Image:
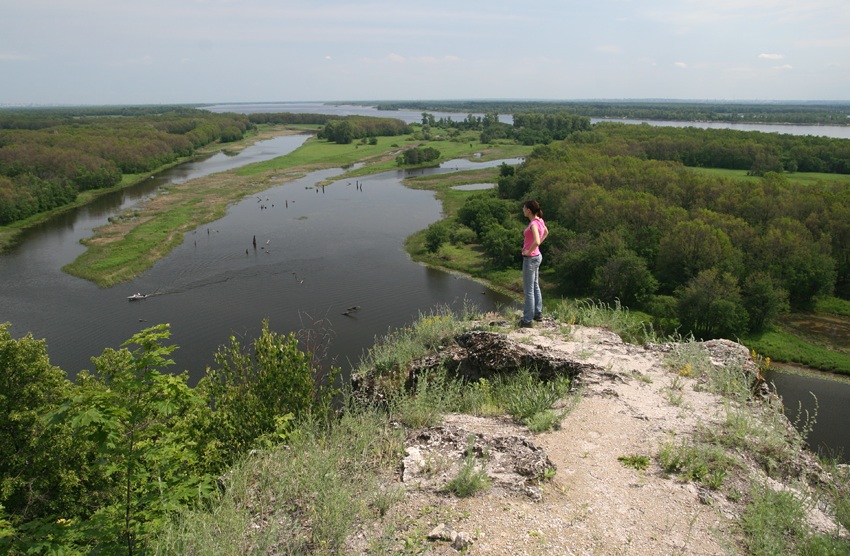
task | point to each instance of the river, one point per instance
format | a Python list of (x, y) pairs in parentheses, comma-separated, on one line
[(318, 254)]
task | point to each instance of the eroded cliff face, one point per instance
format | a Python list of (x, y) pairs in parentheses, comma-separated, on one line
[(568, 491)]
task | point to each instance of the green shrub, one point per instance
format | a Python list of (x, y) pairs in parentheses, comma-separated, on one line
[(249, 389), (524, 395)]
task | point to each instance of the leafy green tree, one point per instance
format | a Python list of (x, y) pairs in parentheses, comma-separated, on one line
[(691, 247), (710, 305), (763, 300), (801, 265), (624, 277), (663, 309), (37, 463), (418, 155), (252, 391), (136, 416), (483, 210), (338, 131), (582, 257), (503, 245), (46, 473), (436, 235), (764, 162)]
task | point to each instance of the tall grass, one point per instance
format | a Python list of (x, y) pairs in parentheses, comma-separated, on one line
[(397, 349), (834, 305), (299, 498), (631, 327)]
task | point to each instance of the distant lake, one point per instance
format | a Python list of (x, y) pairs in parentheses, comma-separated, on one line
[(415, 116), (474, 186)]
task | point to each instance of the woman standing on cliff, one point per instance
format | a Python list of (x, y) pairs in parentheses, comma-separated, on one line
[(533, 236)]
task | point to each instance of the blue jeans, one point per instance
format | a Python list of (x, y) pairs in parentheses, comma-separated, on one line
[(533, 302)]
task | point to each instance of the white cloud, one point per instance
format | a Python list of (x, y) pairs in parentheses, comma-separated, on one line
[(395, 58), (765, 56), (608, 49), (12, 56), (146, 60), (682, 65), (835, 42), (784, 67)]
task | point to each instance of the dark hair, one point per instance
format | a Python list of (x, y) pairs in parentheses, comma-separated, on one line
[(534, 207)]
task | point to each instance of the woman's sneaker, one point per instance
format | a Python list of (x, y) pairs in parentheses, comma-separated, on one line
[(538, 317), (525, 324)]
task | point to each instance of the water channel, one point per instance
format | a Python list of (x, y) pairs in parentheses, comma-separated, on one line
[(319, 252)]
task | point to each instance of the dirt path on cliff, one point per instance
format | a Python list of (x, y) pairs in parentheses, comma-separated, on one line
[(594, 504)]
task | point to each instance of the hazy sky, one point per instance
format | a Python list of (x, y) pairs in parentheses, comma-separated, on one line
[(194, 51)]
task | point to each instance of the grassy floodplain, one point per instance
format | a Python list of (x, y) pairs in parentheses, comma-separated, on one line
[(132, 242)]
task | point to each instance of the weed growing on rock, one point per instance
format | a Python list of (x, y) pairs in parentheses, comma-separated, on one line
[(635, 461), (470, 479), (524, 397)]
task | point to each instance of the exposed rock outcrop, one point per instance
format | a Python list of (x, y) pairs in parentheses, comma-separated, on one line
[(566, 491)]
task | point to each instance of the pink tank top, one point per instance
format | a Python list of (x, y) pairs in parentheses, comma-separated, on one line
[(528, 235)]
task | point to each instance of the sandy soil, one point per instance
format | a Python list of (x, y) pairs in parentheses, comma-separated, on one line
[(594, 505)]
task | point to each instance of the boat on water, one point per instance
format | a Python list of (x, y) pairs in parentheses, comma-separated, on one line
[(137, 296)]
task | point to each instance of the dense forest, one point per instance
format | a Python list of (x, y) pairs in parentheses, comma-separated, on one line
[(824, 113), (632, 224), (47, 157)]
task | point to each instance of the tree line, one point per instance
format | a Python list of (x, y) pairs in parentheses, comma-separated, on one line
[(754, 151), (346, 129), (336, 128), (714, 256), (527, 128)]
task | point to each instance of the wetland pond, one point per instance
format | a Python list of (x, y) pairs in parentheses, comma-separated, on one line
[(320, 251)]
